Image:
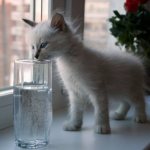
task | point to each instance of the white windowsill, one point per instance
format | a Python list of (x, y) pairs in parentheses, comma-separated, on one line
[(6, 108), (125, 135)]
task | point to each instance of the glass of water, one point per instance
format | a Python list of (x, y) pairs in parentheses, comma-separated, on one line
[(32, 102)]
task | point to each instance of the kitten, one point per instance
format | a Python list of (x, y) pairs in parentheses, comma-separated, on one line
[(90, 75)]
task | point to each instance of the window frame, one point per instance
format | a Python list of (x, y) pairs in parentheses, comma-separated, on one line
[(72, 10)]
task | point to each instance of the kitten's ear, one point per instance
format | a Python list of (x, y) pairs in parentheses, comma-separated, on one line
[(58, 22), (29, 22)]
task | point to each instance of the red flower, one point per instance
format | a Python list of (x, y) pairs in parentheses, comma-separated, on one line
[(132, 5)]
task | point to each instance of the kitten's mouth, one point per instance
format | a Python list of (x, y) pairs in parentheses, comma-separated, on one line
[(43, 58)]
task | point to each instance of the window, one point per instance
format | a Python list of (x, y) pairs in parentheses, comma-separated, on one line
[(96, 27), (13, 38), (41, 10)]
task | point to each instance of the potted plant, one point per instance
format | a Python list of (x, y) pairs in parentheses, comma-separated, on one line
[(132, 30)]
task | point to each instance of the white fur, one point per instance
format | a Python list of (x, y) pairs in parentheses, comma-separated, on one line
[(94, 76)]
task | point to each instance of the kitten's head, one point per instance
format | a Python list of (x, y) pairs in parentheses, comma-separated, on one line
[(49, 39)]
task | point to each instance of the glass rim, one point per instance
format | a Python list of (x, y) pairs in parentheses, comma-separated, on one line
[(32, 61)]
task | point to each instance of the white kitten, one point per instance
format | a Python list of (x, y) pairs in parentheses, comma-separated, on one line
[(89, 75)]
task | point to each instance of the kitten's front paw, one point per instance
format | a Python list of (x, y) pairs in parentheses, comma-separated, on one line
[(70, 126), (102, 129), (141, 119)]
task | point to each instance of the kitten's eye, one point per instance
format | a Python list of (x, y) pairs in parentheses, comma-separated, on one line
[(43, 45), (32, 47)]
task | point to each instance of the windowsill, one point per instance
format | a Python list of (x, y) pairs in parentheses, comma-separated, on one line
[(6, 91), (125, 135)]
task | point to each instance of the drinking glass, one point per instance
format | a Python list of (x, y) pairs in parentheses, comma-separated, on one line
[(32, 102)]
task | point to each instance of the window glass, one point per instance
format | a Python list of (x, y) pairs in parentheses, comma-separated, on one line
[(41, 10), (12, 36), (96, 25)]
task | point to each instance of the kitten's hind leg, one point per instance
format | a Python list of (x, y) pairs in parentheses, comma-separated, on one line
[(76, 113), (121, 111)]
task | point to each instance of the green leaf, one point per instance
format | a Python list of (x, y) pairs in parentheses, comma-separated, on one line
[(132, 30), (117, 14)]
